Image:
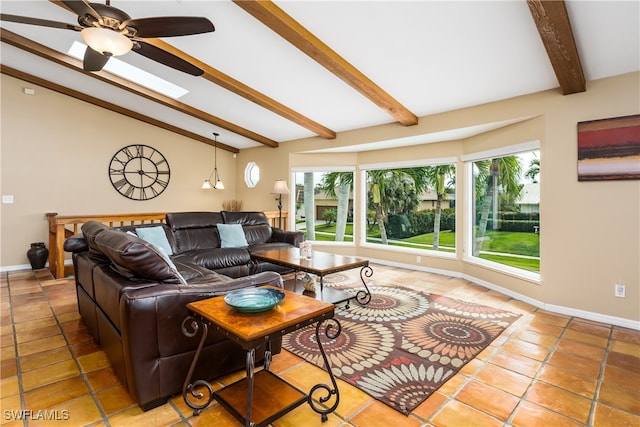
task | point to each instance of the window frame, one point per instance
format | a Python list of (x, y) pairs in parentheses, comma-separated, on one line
[(248, 179), (469, 214), (433, 161), (318, 169)]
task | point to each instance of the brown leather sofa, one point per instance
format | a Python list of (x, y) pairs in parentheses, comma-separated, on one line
[(133, 297)]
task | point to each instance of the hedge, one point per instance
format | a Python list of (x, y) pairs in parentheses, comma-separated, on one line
[(400, 226)]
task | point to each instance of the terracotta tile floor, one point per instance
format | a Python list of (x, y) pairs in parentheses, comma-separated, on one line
[(545, 370)]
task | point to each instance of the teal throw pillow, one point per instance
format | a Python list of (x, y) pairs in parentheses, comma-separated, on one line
[(156, 236), (232, 236)]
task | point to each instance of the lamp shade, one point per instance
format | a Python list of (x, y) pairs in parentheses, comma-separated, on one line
[(280, 187), (106, 41), (206, 185)]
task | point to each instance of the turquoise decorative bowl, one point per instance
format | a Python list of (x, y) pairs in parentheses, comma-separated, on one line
[(254, 300)]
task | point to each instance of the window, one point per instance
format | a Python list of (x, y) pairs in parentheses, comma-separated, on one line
[(412, 206), (251, 174), (324, 203), (505, 209)]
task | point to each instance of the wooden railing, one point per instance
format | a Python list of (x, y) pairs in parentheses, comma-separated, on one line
[(64, 226), (274, 217)]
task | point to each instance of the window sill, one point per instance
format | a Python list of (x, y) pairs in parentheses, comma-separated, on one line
[(518, 273), (410, 251)]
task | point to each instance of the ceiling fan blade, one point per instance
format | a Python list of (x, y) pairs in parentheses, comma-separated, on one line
[(37, 21), (81, 8), (94, 60), (166, 58), (170, 26)]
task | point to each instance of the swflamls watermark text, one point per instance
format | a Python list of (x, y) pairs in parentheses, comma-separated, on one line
[(39, 415)]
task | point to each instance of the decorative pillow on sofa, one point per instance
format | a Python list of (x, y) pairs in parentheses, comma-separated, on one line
[(90, 230), (156, 236), (254, 224), (134, 258), (232, 236)]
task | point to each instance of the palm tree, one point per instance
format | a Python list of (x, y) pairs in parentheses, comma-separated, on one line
[(343, 181), (534, 170), (503, 173), (377, 180), (438, 178), (400, 196), (309, 206)]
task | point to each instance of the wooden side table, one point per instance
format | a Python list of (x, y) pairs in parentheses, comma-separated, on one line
[(322, 264), (261, 397)]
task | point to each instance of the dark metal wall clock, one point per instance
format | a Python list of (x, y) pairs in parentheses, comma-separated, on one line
[(139, 172)]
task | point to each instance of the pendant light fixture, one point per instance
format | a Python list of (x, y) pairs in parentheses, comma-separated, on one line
[(217, 183)]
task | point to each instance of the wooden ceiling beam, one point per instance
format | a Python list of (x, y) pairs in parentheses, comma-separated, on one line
[(45, 52), (292, 31), (219, 78), (109, 106), (552, 20)]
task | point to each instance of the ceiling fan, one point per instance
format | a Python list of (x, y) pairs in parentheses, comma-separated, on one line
[(109, 31)]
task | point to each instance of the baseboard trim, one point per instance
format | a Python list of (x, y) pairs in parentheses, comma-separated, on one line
[(568, 311), (597, 317), (19, 267), (515, 295), (416, 267)]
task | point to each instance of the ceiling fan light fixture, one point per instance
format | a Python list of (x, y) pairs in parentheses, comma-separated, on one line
[(106, 41)]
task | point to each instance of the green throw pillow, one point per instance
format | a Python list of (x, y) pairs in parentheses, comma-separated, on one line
[(232, 236)]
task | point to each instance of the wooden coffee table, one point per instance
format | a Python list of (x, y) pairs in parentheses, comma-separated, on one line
[(262, 396), (321, 264)]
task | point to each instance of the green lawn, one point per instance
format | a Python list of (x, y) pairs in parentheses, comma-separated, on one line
[(512, 243), (331, 228), (447, 238), (326, 233), (502, 242), (523, 263)]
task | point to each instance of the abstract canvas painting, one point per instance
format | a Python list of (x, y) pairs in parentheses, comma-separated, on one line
[(609, 149)]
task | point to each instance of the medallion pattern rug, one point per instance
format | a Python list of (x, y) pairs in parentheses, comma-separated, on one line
[(404, 344)]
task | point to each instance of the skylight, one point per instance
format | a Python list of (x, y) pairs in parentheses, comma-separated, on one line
[(134, 74)]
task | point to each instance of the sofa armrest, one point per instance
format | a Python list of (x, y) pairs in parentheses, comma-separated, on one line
[(259, 279), (292, 237), (197, 290), (76, 243)]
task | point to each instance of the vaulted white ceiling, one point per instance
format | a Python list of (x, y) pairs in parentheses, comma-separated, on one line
[(430, 56)]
